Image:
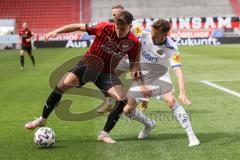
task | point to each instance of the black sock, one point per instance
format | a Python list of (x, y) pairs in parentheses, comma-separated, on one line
[(33, 60), (52, 101), (22, 60), (114, 115)]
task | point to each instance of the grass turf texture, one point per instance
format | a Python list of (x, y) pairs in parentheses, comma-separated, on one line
[(214, 113)]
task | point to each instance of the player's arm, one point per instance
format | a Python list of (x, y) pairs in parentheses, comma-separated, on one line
[(137, 76), (145, 91), (136, 73), (66, 29), (30, 39), (181, 84), (175, 62), (20, 39), (134, 61)]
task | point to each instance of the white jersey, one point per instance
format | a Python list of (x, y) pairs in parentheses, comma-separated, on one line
[(156, 59), (154, 63)]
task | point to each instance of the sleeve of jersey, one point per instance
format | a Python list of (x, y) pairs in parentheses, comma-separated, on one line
[(95, 29), (175, 60)]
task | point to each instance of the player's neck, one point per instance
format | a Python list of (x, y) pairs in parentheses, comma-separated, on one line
[(159, 42), (124, 36)]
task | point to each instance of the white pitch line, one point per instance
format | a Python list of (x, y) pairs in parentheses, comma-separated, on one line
[(229, 80), (221, 88)]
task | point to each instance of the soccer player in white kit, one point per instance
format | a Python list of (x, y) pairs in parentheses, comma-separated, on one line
[(158, 53)]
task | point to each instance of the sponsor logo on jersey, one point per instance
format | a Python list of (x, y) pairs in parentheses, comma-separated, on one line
[(149, 57), (113, 48)]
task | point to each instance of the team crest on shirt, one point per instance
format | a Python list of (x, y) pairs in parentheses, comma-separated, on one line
[(160, 52), (176, 58)]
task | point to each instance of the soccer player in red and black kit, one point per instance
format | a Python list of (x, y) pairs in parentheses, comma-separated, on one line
[(26, 46), (112, 42)]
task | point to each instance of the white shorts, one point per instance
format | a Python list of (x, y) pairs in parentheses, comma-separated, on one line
[(158, 87), (123, 65)]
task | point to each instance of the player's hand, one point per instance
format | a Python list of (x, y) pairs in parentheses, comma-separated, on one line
[(145, 91), (184, 100), (50, 35), (28, 40), (135, 76)]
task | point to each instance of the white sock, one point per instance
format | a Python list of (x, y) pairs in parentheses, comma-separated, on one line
[(103, 132), (140, 117), (183, 119), (109, 100)]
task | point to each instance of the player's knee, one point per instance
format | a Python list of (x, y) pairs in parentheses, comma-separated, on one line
[(128, 109), (62, 87), (67, 83), (130, 106), (21, 53)]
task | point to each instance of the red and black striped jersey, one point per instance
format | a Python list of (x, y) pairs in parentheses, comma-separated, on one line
[(110, 49), (25, 34)]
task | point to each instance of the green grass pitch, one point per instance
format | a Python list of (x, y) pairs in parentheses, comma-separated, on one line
[(214, 113)]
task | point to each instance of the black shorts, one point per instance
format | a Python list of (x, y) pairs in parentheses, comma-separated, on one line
[(104, 81), (27, 49)]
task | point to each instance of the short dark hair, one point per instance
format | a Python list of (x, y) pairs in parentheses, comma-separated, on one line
[(118, 6), (123, 17), (162, 24)]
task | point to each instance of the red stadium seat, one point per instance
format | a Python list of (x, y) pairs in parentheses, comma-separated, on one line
[(43, 15)]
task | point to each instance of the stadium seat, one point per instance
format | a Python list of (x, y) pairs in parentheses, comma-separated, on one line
[(41, 14)]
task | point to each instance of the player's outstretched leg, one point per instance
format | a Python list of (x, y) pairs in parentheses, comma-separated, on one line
[(33, 60), (112, 119), (22, 62), (31, 57), (182, 118), (149, 124), (119, 94), (21, 56), (53, 100), (133, 113)]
